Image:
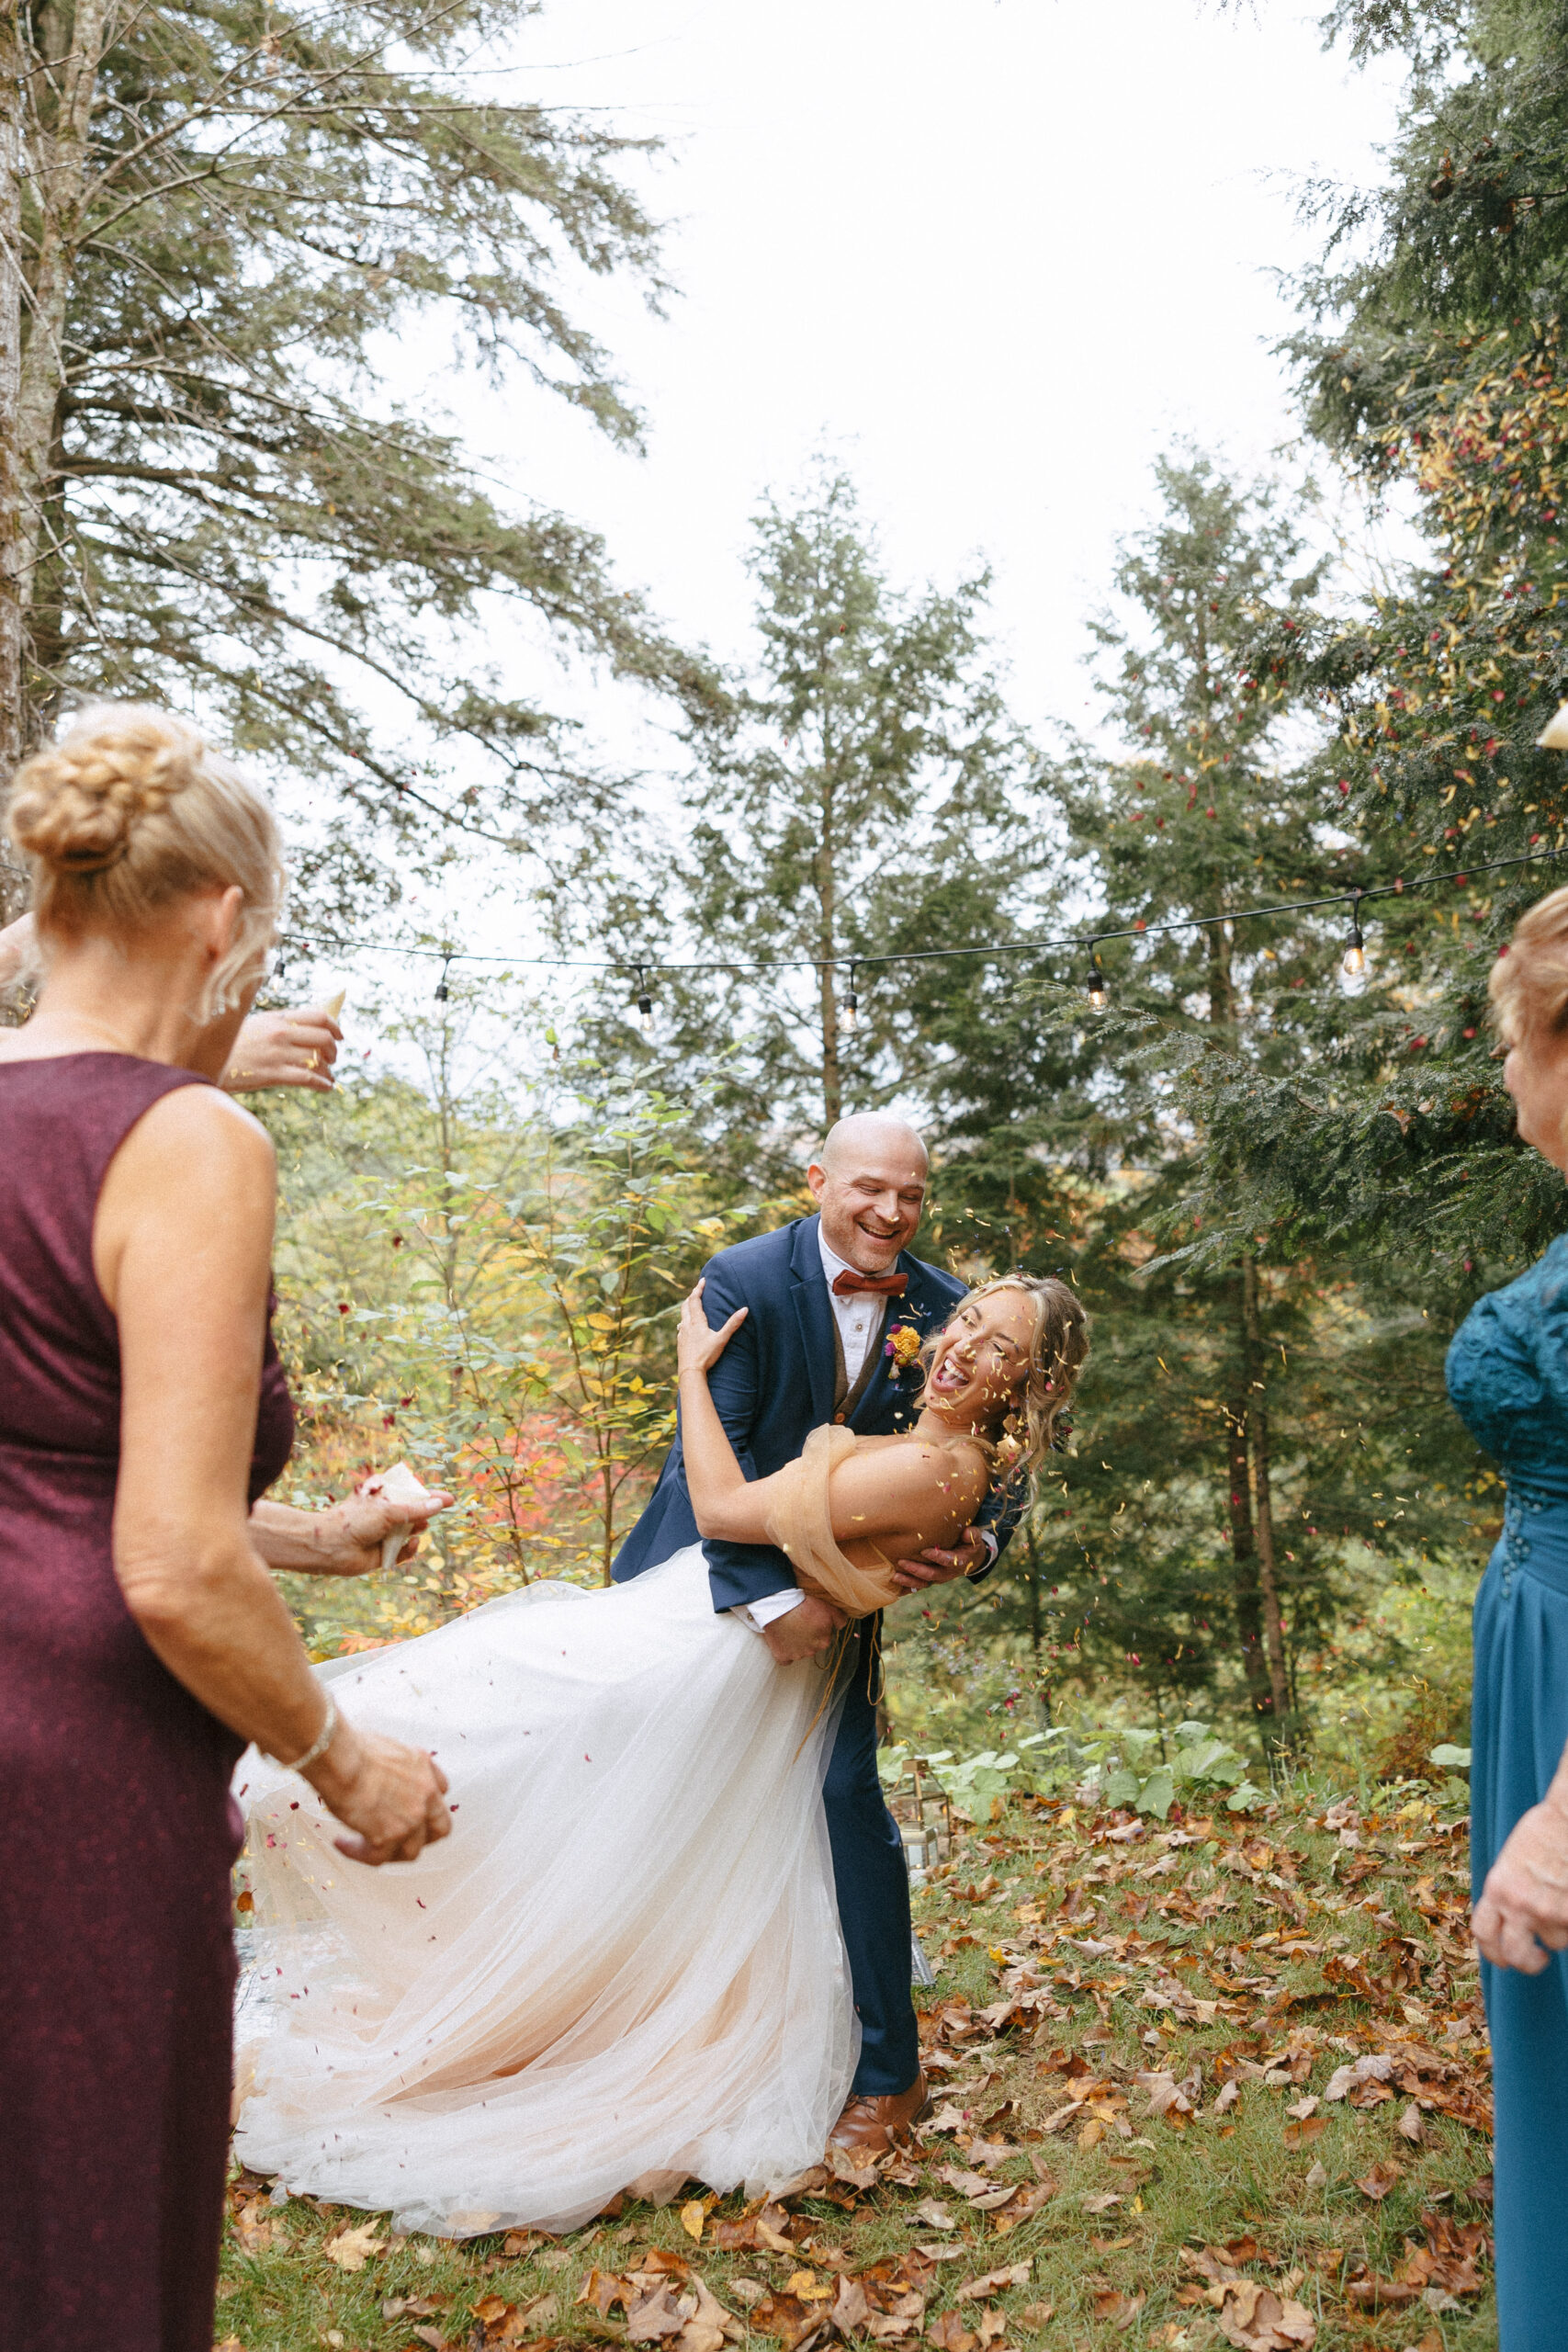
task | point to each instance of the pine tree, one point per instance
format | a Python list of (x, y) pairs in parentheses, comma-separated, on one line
[(864, 802), (1436, 365), (1270, 1379), (206, 496)]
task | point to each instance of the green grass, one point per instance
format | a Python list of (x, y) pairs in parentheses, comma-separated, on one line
[(1219, 2180)]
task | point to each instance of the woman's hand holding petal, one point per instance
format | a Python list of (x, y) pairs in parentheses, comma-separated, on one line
[(351, 1533)]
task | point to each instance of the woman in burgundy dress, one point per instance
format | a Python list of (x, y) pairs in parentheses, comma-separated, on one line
[(141, 1641)]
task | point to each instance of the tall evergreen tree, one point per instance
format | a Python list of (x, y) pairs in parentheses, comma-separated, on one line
[(863, 802), (207, 495), (1271, 1382), (1433, 363)]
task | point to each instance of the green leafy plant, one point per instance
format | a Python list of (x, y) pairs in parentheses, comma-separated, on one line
[(1117, 1768)]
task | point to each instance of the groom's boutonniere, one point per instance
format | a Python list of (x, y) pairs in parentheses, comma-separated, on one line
[(903, 1345)]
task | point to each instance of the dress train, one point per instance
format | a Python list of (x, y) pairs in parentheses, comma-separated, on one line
[(623, 1967)]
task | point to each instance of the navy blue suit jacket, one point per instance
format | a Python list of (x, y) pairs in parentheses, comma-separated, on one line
[(773, 1386)]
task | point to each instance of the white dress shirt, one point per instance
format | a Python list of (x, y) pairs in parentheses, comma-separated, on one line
[(859, 1313)]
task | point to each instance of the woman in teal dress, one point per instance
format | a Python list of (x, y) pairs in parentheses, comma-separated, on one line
[(1508, 1373)]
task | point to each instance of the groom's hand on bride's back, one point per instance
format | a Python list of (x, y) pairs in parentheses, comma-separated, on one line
[(937, 1566), (805, 1630)]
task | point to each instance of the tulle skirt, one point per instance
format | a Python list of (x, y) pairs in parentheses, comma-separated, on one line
[(623, 1967)]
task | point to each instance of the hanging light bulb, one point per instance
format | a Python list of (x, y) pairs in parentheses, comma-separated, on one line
[(441, 989), (850, 1016), (1354, 952), (644, 1004), (1099, 987)]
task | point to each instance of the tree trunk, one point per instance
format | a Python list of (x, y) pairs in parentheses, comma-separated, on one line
[(13, 882), (73, 42), (1246, 1582), (833, 1074), (827, 941), (1262, 1497), (1248, 1596), (1032, 1551)]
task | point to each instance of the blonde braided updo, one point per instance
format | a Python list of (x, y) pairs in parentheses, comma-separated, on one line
[(133, 809)]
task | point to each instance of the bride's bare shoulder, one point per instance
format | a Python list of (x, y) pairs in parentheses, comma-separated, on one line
[(892, 1480)]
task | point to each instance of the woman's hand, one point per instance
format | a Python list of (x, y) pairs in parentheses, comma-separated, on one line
[(284, 1049), (352, 1533), (1524, 1903), (696, 1348), (344, 1541), (391, 1797)]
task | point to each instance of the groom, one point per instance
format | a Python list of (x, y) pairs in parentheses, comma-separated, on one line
[(823, 1295)]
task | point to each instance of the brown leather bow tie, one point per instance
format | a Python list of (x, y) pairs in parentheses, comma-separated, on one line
[(886, 1285)]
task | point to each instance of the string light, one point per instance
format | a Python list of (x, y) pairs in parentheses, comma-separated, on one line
[(644, 1004), (1354, 952), (850, 1016), (988, 952), (442, 991), (1099, 986)]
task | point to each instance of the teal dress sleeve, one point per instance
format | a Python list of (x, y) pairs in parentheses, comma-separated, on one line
[(1507, 1375)]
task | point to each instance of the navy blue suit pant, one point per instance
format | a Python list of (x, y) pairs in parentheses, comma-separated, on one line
[(872, 1886)]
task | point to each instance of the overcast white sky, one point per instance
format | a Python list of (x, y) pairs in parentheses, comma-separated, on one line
[(995, 254)]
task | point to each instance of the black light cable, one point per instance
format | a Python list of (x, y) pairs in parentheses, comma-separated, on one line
[(988, 952)]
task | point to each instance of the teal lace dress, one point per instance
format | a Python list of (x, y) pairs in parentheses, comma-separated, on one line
[(1508, 1374)]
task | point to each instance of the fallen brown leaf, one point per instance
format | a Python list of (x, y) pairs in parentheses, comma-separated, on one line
[(788, 2318), (1255, 2319), (655, 2316), (352, 2249), (1119, 2309), (844, 2167), (850, 2310), (1371, 2294), (994, 2283), (1377, 2183), (949, 2334), (934, 2216), (603, 2289)]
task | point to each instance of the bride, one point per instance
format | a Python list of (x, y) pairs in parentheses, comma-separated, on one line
[(623, 1967)]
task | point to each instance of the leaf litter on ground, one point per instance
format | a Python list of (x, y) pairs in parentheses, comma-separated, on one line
[(1210, 2081)]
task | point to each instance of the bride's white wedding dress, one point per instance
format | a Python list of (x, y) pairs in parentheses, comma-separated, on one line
[(623, 1967)]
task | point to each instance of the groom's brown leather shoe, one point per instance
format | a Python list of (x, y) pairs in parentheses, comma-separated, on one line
[(872, 2124)]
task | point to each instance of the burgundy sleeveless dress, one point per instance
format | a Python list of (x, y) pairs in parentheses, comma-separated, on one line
[(117, 1829)]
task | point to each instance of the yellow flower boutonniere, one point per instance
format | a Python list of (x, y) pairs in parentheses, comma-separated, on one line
[(903, 1344)]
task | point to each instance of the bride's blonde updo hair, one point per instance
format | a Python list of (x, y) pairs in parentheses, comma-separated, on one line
[(1057, 1355), (1528, 987), (131, 809)]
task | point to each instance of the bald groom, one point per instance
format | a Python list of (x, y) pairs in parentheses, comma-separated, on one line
[(820, 1293)]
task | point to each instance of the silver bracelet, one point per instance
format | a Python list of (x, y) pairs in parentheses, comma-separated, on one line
[(318, 1745)]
